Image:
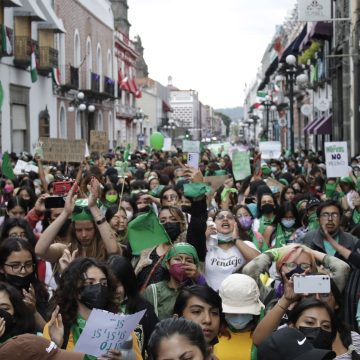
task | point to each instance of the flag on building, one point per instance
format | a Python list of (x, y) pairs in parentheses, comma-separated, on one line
[(6, 167), (6, 41), (1, 95), (136, 90), (125, 84), (56, 76), (33, 66)]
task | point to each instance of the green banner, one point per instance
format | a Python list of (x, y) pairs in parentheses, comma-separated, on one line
[(241, 165)]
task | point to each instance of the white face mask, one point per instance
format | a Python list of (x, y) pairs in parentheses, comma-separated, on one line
[(37, 191), (129, 214), (225, 237)]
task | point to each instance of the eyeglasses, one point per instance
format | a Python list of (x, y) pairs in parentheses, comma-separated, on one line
[(223, 217), (135, 192), (294, 265), (79, 209), (18, 234), (170, 197), (28, 266), (327, 216)]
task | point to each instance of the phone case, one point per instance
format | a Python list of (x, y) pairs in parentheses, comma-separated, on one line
[(312, 284)]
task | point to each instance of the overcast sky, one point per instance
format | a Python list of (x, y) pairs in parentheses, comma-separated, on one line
[(214, 47)]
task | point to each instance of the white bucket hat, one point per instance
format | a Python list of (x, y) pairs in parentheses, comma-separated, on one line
[(240, 295)]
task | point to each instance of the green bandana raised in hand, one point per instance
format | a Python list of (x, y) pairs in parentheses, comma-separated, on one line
[(227, 191), (330, 190)]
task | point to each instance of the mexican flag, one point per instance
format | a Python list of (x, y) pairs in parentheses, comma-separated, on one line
[(56, 76), (1, 95), (5, 41), (33, 66)]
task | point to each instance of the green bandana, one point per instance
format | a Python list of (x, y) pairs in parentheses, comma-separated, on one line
[(182, 248), (264, 223), (282, 236), (330, 190), (195, 190), (356, 216), (313, 223), (156, 191), (81, 211), (76, 331), (226, 191)]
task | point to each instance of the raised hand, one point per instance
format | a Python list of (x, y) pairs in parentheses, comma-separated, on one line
[(70, 199), (56, 327), (66, 258)]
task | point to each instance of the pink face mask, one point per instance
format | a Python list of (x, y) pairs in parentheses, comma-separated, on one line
[(177, 271), (8, 188)]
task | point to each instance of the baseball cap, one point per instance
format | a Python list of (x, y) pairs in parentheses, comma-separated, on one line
[(240, 295), (32, 347), (291, 344), (313, 202)]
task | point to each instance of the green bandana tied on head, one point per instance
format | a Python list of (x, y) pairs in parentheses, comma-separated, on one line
[(81, 211), (330, 190), (182, 248)]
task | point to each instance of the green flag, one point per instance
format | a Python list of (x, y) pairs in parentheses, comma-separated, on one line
[(6, 167), (126, 153), (145, 231), (1, 95)]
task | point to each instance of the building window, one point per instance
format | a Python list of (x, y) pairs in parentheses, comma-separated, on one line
[(62, 123), (109, 65), (44, 123), (88, 62), (111, 130), (99, 64), (99, 125), (19, 127), (78, 125)]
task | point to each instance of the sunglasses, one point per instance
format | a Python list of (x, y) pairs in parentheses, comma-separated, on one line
[(223, 217), (293, 265), (79, 209)]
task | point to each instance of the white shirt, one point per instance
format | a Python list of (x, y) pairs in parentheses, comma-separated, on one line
[(220, 263)]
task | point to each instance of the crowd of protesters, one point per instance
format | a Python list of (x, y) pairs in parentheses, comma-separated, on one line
[(222, 285)]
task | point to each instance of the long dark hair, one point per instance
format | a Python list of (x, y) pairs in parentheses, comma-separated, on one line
[(243, 235), (71, 281), (284, 208), (24, 318), (172, 326), (13, 202), (15, 244), (124, 272)]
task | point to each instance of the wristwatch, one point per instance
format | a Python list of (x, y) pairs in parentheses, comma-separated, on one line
[(101, 221)]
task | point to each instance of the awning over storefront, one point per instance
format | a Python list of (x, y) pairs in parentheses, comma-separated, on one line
[(269, 71), (320, 30), (52, 21), (11, 3), (312, 124), (293, 48), (166, 107), (324, 127), (31, 9), (310, 129)]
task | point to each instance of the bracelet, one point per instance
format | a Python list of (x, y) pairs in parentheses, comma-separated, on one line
[(281, 307), (101, 221)]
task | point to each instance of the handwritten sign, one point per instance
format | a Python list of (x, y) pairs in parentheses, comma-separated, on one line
[(336, 156), (23, 167), (63, 150), (241, 165), (270, 149), (191, 146), (104, 331), (99, 141)]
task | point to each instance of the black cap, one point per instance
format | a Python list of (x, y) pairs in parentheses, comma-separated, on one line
[(313, 202), (291, 344)]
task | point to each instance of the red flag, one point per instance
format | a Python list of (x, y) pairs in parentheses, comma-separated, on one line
[(132, 85)]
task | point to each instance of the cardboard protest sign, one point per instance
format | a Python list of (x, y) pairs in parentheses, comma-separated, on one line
[(241, 165), (191, 146), (270, 149), (99, 141), (23, 167), (104, 331), (336, 157), (63, 150)]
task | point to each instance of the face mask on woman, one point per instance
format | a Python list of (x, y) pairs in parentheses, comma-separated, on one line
[(173, 230), (288, 223), (20, 282), (224, 237), (111, 198), (129, 214), (94, 296), (319, 338), (246, 222), (177, 271), (9, 322), (238, 321), (267, 209)]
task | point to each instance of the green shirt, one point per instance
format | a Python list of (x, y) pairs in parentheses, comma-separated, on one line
[(162, 298)]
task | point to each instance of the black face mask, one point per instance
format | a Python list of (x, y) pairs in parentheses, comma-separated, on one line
[(20, 282), (318, 337), (173, 230), (267, 209), (64, 228), (9, 322), (186, 208), (94, 296), (297, 270)]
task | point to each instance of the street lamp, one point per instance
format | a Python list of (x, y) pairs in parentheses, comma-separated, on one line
[(267, 105), (293, 73)]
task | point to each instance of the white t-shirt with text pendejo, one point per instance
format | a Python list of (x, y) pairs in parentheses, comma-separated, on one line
[(220, 263)]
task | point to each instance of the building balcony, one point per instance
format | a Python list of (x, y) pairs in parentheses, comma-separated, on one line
[(95, 82), (48, 59), (6, 45), (70, 78), (109, 86), (125, 111), (23, 48)]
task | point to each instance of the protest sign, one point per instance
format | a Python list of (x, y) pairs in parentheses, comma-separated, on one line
[(219, 148), (191, 146), (23, 167), (241, 165), (167, 144), (270, 149), (98, 141), (63, 150), (336, 157), (104, 331)]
